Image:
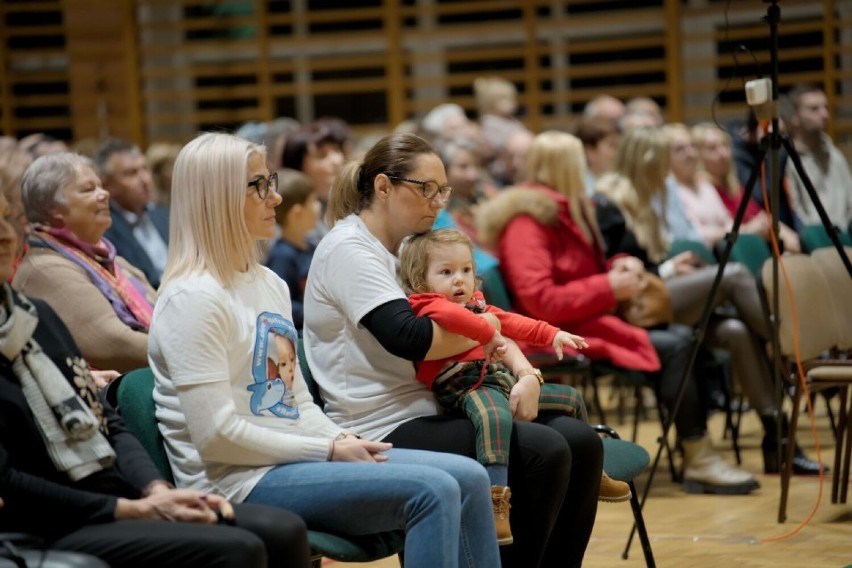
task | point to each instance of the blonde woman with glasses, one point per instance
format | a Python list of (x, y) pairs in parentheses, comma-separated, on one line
[(233, 407)]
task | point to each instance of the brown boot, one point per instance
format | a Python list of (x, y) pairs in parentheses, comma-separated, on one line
[(613, 491), (500, 496)]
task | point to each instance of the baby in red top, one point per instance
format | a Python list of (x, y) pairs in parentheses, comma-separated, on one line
[(485, 383)]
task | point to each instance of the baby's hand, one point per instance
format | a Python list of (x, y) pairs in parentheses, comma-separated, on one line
[(565, 339), (495, 349)]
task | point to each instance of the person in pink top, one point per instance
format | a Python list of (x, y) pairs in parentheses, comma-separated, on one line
[(438, 272)]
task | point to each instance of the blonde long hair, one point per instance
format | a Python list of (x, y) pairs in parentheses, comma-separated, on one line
[(731, 181), (641, 166), (556, 159), (208, 231)]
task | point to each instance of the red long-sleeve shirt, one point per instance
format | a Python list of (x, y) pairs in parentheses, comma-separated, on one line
[(456, 318)]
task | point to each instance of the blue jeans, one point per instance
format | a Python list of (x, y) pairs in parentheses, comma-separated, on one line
[(442, 501)]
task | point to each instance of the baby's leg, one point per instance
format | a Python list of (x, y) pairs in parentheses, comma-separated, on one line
[(563, 398)]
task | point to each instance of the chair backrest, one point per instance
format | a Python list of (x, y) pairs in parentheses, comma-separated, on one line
[(136, 405), (840, 289), (494, 289), (313, 387), (682, 245), (817, 327), (750, 250)]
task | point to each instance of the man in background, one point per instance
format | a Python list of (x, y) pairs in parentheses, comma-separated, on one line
[(140, 229), (823, 163)]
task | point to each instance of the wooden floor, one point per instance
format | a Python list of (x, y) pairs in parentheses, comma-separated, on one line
[(696, 531)]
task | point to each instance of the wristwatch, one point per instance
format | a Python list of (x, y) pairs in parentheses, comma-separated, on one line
[(532, 371)]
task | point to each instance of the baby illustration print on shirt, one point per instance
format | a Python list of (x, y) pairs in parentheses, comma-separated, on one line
[(274, 367)]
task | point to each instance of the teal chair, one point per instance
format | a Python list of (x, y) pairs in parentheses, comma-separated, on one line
[(682, 245), (815, 237), (133, 395), (752, 251), (625, 461)]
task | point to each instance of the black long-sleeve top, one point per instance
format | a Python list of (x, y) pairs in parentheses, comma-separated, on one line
[(39, 499)]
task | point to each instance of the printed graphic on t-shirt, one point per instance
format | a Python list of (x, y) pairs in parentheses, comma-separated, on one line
[(273, 367)]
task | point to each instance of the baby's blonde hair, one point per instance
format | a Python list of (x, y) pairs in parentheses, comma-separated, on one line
[(415, 255)]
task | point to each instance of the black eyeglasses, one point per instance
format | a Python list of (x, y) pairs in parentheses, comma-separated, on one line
[(429, 189), (264, 185)]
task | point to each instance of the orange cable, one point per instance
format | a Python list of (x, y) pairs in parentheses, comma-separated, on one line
[(800, 371)]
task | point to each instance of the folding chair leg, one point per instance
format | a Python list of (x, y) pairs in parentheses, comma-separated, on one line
[(839, 433), (844, 478), (640, 528), (787, 470)]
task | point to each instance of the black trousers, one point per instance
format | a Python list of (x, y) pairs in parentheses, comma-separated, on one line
[(673, 346), (554, 473), (263, 537)]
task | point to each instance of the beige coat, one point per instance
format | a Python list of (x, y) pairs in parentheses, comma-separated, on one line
[(104, 340)]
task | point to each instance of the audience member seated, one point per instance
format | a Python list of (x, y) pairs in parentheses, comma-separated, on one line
[(470, 187), (746, 140), (160, 157), (140, 229), (13, 163), (317, 151), (104, 301), (552, 255), (631, 227), (605, 106), (600, 138), (362, 336), (71, 474), (701, 202), (647, 107), (714, 155), (513, 157), (233, 407), (497, 105), (291, 254), (824, 164)]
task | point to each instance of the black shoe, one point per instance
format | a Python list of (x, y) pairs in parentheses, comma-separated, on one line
[(773, 458), (802, 464)]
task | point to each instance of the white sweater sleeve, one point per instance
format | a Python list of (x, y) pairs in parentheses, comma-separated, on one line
[(222, 436)]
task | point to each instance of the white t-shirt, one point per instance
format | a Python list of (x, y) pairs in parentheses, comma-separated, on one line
[(231, 401), (366, 389)]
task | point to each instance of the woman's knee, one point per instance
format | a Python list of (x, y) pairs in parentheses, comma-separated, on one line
[(540, 452), (728, 333)]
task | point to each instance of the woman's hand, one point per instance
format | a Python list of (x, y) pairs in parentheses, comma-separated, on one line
[(685, 262), (565, 339), (495, 349), (523, 398), (182, 505), (624, 284), (790, 239), (103, 378), (629, 264), (352, 449)]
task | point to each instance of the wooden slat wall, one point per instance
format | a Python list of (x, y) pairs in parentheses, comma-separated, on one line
[(215, 64), (33, 69)]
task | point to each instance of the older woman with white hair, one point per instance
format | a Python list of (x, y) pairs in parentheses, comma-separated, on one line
[(105, 302)]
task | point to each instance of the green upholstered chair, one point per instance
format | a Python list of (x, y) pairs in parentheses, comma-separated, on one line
[(752, 251), (625, 461), (682, 245), (134, 398), (816, 237), (349, 548)]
